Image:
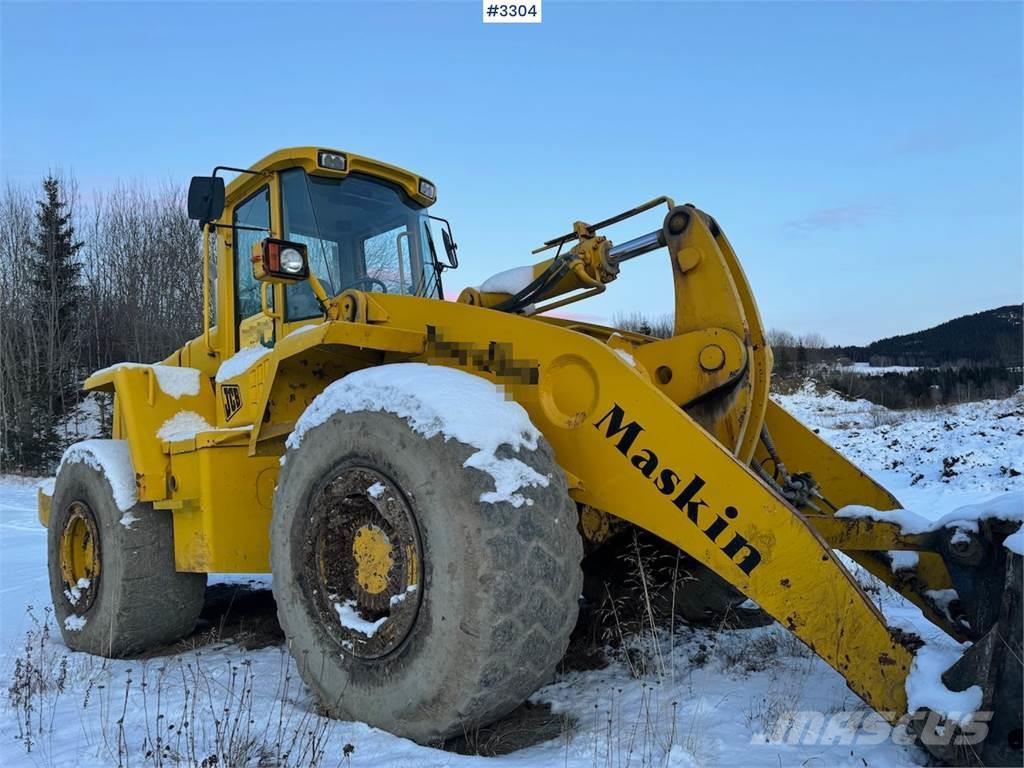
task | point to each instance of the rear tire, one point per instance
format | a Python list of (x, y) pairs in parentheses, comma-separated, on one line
[(134, 599), (496, 587)]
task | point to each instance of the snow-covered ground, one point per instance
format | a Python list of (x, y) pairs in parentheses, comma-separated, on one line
[(933, 457), (866, 369), (706, 698)]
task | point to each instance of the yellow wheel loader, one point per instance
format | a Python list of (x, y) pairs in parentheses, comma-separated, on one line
[(421, 475)]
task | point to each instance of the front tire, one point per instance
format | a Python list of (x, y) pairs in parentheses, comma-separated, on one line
[(407, 602), (112, 578)]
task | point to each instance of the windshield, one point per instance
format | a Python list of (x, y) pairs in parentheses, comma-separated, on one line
[(361, 233)]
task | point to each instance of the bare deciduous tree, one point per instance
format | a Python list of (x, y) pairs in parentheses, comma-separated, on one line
[(138, 296)]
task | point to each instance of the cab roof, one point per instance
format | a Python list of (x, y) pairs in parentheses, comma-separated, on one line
[(308, 158)]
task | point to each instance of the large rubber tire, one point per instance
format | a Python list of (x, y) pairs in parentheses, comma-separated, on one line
[(138, 601), (500, 584)]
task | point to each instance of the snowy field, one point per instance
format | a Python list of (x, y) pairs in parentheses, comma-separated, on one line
[(704, 698), (866, 369)]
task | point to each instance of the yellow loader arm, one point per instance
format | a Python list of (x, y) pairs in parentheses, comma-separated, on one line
[(662, 434), (678, 436)]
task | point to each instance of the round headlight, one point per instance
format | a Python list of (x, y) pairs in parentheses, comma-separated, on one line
[(291, 261)]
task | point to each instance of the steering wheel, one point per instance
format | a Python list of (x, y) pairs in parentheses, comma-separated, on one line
[(367, 280)]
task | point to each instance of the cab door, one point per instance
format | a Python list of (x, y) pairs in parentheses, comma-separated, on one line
[(254, 326)]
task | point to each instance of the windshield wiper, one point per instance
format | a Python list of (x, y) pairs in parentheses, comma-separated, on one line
[(430, 242), (433, 260)]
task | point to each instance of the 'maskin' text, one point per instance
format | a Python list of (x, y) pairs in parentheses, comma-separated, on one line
[(669, 482)]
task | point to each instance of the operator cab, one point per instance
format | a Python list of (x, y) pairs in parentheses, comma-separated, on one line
[(360, 232), (332, 221)]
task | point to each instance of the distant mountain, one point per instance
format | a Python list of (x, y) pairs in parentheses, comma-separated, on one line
[(993, 337)]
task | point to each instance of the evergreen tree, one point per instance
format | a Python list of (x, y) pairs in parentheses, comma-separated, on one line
[(55, 291), (57, 272)]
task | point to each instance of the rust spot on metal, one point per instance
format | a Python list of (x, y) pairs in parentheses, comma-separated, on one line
[(886, 660), (785, 583)]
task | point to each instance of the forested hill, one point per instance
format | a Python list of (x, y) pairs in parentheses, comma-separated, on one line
[(992, 337)]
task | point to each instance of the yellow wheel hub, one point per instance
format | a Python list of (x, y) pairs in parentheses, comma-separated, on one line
[(362, 556), (79, 549), (374, 557)]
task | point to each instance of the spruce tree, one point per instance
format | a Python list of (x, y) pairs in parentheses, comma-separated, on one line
[(55, 288)]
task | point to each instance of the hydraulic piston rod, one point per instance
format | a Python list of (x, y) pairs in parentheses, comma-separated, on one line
[(638, 246)]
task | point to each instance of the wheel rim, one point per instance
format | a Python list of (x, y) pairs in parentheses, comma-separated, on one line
[(80, 556), (362, 562)]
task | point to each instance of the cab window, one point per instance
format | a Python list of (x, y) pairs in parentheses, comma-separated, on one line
[(361, 233), (386, 258), (254, 212)]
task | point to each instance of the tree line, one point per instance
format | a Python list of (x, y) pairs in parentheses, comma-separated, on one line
[(954, 374), (794, 354), (926, 387), (84, 286), (984, 339)]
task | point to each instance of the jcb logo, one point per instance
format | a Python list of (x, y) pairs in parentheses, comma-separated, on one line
[(232, 400)]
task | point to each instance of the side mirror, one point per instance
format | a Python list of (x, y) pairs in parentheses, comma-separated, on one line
[(205, 199), (450, 248), (279, 261)]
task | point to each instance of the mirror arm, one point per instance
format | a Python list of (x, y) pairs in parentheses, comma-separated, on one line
[(206, 195), (452, 254), (239, 170), (215, 225)]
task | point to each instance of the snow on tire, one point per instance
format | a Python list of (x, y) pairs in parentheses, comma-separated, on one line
[(420, 588), (111, 559)]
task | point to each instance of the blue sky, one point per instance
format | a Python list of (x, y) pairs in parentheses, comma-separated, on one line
[(864, 159)]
